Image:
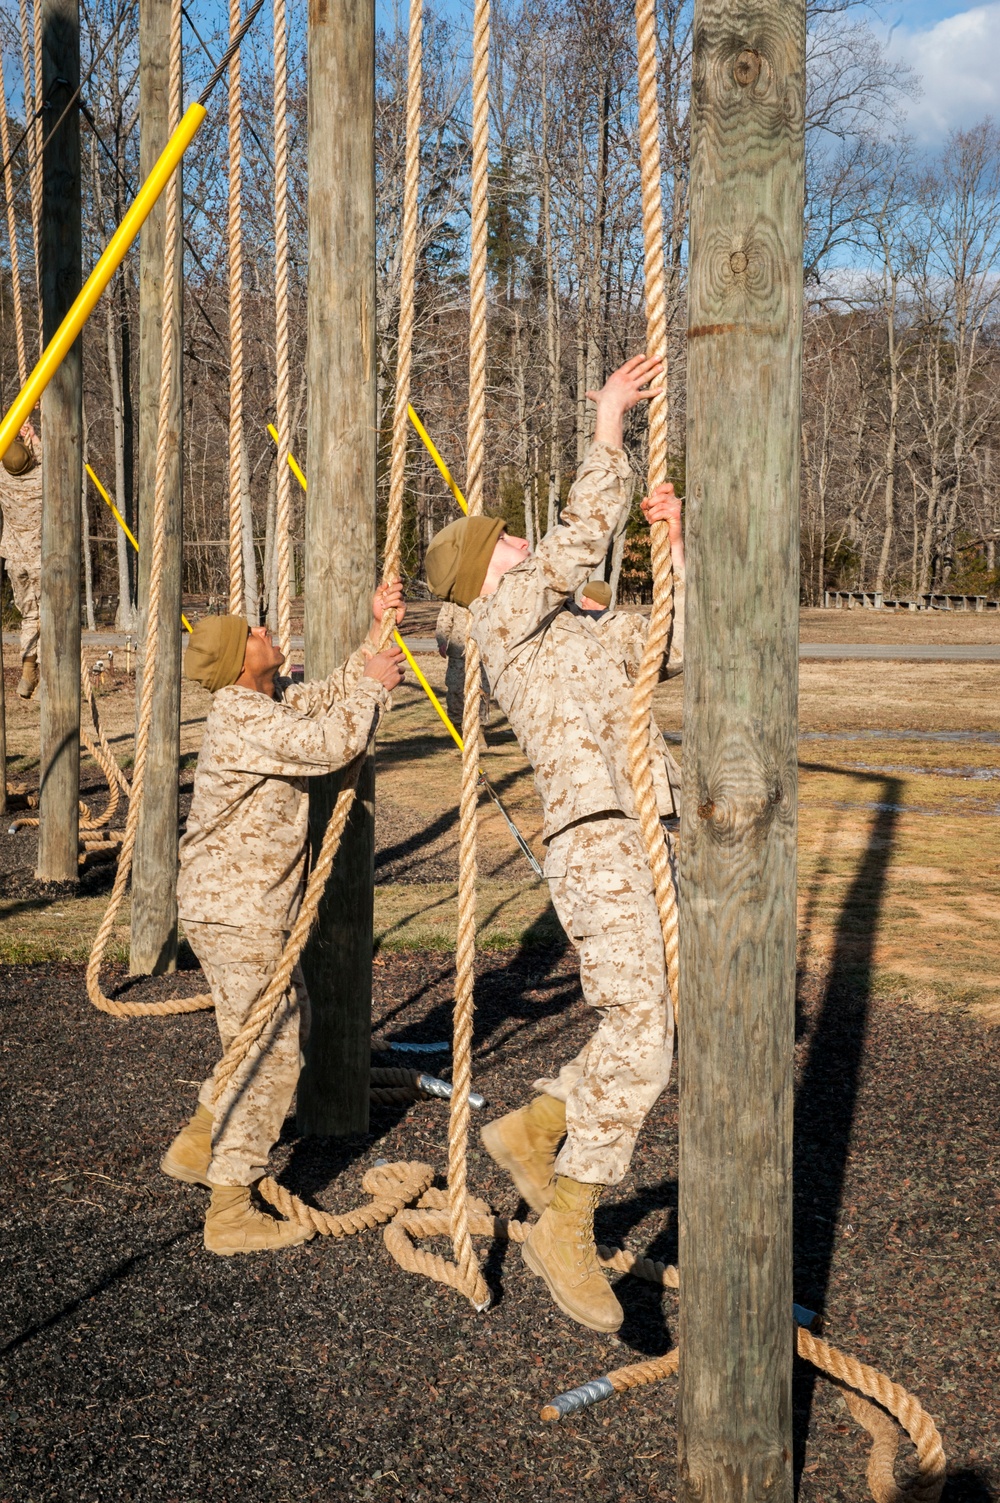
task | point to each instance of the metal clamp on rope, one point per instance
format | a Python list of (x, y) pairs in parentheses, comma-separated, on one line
[(435, 1087), (578, 1398)]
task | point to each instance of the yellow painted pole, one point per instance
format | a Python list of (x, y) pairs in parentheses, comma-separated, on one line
[(114, 254), (431, 448), (124, 526)]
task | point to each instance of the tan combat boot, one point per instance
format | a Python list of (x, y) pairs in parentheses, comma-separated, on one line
[(560, 1249), (190, 1154), (233, 1224), (524, 1143), (28, 682)]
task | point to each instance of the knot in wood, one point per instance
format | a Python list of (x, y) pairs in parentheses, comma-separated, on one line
[(747, 67), (738, 262)]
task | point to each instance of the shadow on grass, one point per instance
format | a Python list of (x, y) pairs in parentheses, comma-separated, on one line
[(827, 1096)]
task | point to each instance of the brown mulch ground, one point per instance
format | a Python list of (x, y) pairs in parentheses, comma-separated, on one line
[(136, 1365)]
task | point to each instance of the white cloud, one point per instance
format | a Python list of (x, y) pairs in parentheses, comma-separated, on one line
[(956, 60)]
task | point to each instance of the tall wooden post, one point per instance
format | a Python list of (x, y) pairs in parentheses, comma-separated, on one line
[(340, 531), (62, 453), (153, 948), (737, 860)]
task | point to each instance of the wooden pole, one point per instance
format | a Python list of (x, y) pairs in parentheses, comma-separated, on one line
[(62, 453), (340, 531), (737, 852), (153, 950)]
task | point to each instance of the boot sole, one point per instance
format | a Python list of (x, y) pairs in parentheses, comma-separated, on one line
[(538, 1267), (492, 1141), (233, 1252), (187, 1176)]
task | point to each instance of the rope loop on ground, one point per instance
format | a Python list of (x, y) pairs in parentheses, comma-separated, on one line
[(391, 1186)]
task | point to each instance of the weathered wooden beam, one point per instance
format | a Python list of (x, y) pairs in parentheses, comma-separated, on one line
[(737, 862), (62, 452), (340, 531), (153, 949)]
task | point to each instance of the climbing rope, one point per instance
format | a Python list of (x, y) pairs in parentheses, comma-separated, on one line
[(894, 1410), (283, 494), (171, 1005), (15, 271), (640, 742), (237, 577), (428, 1219)]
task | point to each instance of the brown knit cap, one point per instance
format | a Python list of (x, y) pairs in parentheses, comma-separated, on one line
[(457, 560), (19, 457), (597, 591), (214, 655)]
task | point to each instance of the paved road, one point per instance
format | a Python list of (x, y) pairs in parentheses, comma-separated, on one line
[(926, 652), (949, 652)]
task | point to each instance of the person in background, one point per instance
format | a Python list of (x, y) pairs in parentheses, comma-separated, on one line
[(21, 543)]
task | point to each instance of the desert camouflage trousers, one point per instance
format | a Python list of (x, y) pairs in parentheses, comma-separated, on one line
[(238, 963), (602, 890), (26, 585), (454, 682)]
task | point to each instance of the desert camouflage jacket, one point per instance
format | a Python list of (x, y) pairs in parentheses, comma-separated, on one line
[(452, 628), (564, 680), (21, 503), (243, 855)]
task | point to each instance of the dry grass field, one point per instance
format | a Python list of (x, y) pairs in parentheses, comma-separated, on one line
[(899, 818)]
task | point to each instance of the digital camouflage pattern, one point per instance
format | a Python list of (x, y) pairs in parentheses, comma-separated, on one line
[(21, 547), (451, 633), (563, 679), (243, 855), (238, 963)]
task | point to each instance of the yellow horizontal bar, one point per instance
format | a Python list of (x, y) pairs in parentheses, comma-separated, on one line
[(114, 254), (124, 527), (431, 448)]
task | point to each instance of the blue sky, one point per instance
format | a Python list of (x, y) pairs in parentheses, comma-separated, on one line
[(956, 50)]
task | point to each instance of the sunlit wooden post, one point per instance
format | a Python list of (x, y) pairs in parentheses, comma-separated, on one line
[(340, 531), (739, 819)]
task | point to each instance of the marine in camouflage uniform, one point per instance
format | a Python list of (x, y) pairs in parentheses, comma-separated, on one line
[(563, 677), (21, 545), (242, 876), (564, 682)]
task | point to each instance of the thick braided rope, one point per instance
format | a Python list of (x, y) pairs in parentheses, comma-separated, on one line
[(431, 1218), (282, 405), (640, 749), (237, 581), (174, 1004), (928, 1485), (32, 97), (860, 1384), (98, 748), (15, 270), (408, 264), (476, 431), (391, 1186)]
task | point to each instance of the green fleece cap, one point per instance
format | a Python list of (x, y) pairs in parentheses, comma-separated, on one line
[(457, 560), (214, 655)]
